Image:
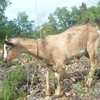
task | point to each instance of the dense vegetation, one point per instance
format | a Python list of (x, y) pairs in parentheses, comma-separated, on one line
[(57, 22), (8, 86)]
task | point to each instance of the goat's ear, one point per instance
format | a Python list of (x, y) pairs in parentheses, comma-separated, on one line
[(8, 43), (11, 43)]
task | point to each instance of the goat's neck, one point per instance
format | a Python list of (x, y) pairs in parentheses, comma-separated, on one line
[(29, 47)]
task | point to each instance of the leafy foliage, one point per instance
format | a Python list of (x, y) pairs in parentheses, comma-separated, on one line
[(84, 90), (3, 19), (57, 22), (9, 85), (25, 25)]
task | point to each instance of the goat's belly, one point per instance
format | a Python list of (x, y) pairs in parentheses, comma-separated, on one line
[(78, 54)]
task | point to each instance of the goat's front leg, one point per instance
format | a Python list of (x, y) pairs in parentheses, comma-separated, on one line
[(91, 76), (92, 70), (47, 75), (58, 91)]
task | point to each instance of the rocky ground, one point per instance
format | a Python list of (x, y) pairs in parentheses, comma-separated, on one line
[(73, 79)]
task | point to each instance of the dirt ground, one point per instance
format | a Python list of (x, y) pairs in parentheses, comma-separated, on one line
[(73, 80)]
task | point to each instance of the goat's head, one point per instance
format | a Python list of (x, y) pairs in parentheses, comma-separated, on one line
[(10, 50)]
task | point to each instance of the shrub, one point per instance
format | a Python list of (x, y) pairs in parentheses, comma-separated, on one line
[(9, 85)]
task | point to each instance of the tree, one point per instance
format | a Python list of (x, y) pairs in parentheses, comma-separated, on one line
[(3, 5), (74, 15), (3, 19), (13, 30), (25, 25), (63, 18), (46, 29), (59, 20), (53, 23)]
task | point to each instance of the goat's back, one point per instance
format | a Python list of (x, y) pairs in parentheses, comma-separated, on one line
[(71, 42)]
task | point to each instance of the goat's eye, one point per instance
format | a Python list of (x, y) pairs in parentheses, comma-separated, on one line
[(7, 47)]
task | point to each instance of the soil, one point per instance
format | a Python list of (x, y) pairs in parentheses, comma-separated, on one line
[(74, 75)]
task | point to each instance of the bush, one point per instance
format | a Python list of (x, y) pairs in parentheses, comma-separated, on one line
[(0, 45), (9, 85)]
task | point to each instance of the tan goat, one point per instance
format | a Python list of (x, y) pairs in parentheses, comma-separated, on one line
[(57, 49)]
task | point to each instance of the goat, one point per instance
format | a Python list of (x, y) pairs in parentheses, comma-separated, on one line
[(57, 49)]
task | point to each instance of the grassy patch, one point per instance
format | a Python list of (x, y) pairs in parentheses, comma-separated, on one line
[(9, 85), (84, 90)]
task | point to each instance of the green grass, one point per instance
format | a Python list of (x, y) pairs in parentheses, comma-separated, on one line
[(9, 85), (84, 90), (1, 46)]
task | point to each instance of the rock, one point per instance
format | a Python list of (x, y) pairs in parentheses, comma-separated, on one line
[(69, 94), (35, 91), (29, 97), (34, 82), (47, 98)]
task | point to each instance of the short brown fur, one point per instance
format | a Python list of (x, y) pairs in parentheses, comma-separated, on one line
[(77, 41)]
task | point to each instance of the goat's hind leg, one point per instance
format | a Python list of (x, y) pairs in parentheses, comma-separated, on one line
[(47, 75), (58, 91), (92, 70)]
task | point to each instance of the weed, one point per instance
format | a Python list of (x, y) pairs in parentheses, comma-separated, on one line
[(52, 76), (84, 90), (34, 78), (9, 85)]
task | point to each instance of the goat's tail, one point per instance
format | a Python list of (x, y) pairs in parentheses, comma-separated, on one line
[(97, 21)]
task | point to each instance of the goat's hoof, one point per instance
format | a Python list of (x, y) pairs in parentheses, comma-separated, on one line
[(89, 83), (58, 93), (47, 93)]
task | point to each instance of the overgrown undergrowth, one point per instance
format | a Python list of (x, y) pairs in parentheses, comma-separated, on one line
[(8, 87)]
